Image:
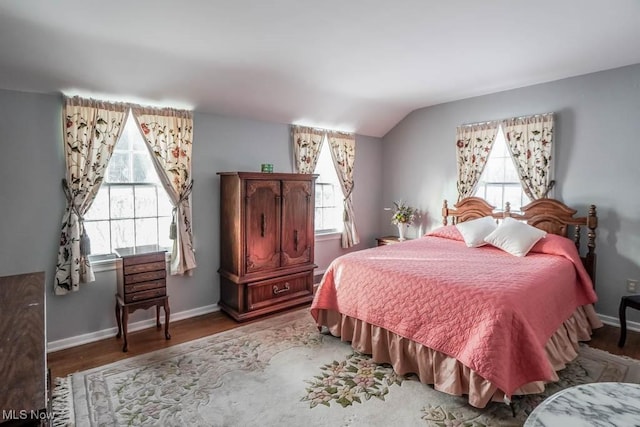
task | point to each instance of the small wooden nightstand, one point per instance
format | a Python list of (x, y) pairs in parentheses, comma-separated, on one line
[(141, 274), (388, 240)]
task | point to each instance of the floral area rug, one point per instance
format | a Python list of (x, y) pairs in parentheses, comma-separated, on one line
[(282, 372)]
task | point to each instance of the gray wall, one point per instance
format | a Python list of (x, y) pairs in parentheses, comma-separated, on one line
[(597, 137), (32, 165)]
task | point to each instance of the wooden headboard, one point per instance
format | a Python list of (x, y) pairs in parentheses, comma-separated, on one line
[(549, 215)]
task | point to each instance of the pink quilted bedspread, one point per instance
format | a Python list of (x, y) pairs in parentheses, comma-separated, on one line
[(492, 311)]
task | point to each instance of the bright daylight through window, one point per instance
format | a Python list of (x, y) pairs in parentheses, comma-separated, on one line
[(499, 182), (131, 207), (329, 206)]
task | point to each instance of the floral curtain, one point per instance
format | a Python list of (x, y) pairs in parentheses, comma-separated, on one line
[(168, 133), (91, 130), (343, 152), (307, 143), (530, 141), (473, 143)]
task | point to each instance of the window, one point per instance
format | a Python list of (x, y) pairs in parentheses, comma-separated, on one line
[(329, 206), (131, 207), (499, 182)]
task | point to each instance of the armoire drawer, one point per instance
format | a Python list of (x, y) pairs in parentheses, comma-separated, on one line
[(269, 292)]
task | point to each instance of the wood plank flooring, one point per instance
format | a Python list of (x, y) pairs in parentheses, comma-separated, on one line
[(65, 362)]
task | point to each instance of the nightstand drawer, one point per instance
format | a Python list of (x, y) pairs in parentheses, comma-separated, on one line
[(144, 295), (269, 292)]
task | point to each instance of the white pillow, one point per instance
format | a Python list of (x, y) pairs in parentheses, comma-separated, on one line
[(473, 232), (515, 237)]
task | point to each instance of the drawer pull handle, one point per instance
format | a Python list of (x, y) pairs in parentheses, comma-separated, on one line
[(277, 291)]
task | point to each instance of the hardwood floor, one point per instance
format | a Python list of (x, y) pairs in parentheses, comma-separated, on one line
[(65, 362)]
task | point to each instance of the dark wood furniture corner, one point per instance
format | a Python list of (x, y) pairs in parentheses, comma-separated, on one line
[(388, 240), (23, 370), (632, 301), (141, 274), (266, 242)]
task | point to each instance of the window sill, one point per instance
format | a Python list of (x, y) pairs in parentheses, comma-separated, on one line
[(321, 237)]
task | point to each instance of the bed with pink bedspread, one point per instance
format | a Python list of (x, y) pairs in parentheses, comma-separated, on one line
[(471, 321)]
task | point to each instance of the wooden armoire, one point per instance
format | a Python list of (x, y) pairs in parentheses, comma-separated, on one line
[(266, 242)]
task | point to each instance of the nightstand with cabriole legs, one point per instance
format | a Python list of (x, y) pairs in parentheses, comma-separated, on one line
[(389, 240)]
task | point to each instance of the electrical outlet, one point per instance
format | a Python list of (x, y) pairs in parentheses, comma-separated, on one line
[(632, 285)]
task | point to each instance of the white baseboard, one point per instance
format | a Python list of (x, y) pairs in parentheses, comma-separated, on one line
[(132, 327), (614, 321)]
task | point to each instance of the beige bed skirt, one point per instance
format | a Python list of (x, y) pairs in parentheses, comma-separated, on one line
[(444, 372)]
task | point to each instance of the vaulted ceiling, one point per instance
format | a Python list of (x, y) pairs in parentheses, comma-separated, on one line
[(353, 65)]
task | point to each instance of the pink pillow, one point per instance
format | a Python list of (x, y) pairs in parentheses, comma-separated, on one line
[(446, 232)]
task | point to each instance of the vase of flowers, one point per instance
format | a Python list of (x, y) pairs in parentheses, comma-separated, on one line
[(403, 217)]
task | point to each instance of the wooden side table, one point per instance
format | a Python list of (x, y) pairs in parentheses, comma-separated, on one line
[(141, 273), (388, 240), (123, 309), (632, 301)]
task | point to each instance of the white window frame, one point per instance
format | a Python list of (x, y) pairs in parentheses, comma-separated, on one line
[(481, 189), (106, 262), (329, 233)]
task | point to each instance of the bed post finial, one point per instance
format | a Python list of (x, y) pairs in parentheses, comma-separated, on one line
[(445, 212), (507, 210)]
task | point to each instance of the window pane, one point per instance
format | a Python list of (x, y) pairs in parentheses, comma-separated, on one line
[(124, 143), (500, 146), (328, 193), (119, 170), (122, 233), (163, 232), (143, 170), (138, 143), (494, 196), (481, 190), (512, 194), (318, 219), (98, 232), (122, 202), (146, 231), (164, 203), (501, 171), (146, 203), (329, 196), (494, 171), (319, 194), (127, 215), (333, 219), (100, 206), (511, 174)]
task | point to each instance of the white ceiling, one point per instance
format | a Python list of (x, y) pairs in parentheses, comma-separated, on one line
[(352, 65)]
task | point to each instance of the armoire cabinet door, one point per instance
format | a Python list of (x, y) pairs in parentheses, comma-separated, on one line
[(297, 222), (262, 225)]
